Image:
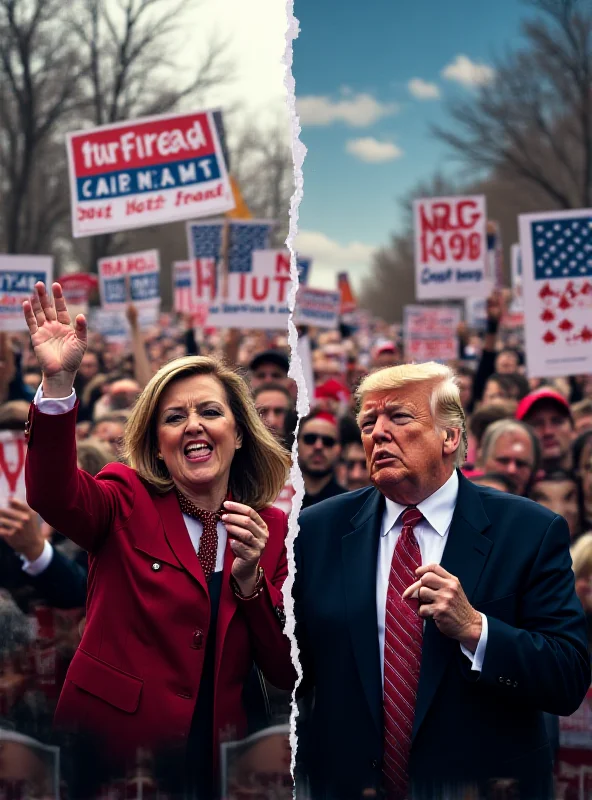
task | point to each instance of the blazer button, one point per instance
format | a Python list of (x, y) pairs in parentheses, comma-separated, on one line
[(197, 643), (156, 566)]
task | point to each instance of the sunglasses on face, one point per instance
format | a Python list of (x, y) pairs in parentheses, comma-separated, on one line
[(312, 438)]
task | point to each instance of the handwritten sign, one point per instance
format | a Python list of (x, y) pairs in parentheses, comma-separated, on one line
[(18, 276), (131, 278), (451, 257), (256, 299), (430, 333), (317, 307), (147, 172)]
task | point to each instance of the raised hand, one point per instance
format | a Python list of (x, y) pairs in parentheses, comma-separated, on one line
[(58, 345)]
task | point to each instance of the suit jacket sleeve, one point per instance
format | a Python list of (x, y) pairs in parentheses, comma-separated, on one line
[(304, 656), (62, 584), (81, 507), (545, 662), (271, 646)]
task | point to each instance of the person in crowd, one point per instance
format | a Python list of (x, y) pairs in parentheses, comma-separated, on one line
[(558, 491), (496, 480), (386, 354), (511, 448), (582, 459), (549, 414), (478, 423), (119, 394), (507, 361), (465, 377), (319, 451), (109, 429), (356, 468), (505, 386), (187, 559), (29, 568), (429, 604), (275, 406), (270, 366), (582, 415)]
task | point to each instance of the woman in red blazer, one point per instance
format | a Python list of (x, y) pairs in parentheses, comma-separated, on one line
[(181, 603)]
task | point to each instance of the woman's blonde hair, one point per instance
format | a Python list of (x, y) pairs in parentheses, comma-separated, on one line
[(260, 467), (581, 555), (445, 404)]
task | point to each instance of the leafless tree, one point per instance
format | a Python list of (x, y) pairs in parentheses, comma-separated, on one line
[(40, 73), (533, 122)]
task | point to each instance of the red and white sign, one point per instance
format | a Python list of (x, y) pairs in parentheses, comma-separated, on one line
[(429, 333), (130, 278), (451, 257), (13, 450), (77, 288), (317, 307), (147, 172), (257, 299)]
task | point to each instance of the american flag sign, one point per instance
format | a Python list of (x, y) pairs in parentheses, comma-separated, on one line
[(556, 250)]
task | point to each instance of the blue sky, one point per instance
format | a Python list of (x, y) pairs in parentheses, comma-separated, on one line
[(367, 133)]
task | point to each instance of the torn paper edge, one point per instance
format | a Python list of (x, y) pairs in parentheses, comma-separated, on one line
[(296, 372)]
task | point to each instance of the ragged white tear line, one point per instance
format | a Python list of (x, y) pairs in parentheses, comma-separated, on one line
[(296, 372)]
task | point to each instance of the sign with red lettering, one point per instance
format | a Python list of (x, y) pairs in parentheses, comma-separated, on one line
[(317, 307), (147, 172), (256, 299), (77, 288), (451, 257), (131, 278), (13, 450), (18, 276), (430, 333)]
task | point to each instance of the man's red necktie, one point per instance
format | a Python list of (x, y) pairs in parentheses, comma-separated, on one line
[(402, 657)]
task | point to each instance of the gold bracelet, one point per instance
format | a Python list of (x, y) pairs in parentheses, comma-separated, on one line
[(256, 591)]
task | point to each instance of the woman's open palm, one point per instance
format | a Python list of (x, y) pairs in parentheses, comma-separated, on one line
[(58, 345)]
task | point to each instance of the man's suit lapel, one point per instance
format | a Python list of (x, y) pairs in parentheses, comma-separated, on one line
[(465, 556), (359, 551)]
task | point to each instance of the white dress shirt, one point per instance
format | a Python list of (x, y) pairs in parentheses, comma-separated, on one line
[(431, 534), (61, 405)]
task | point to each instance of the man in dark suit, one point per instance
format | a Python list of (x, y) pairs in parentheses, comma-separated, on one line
[(436, 620)]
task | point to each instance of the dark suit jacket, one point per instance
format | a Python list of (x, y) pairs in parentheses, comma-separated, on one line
[(512, 559), (134, 680), (61, 585)]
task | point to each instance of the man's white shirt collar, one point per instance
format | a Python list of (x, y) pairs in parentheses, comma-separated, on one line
[(437, 509)]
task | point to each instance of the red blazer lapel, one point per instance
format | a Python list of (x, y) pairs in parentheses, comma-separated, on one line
[(177, 535)]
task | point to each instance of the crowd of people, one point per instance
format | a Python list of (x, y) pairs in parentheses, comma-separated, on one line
[(526, 437)]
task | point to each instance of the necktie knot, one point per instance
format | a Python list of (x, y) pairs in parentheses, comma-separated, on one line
[(208, 543), (411, 516)]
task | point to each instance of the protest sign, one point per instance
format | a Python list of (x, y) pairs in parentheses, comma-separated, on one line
[(205, 242), (476, 313), (13, 449), (130, 278), (430, 333), (451, 258), (495, 255), (556, 250), (77, 288), (256, 299), (516, 278), (184, 301), (18, 276), (113, 324), (146, 172), (303, 265), (317, 307)]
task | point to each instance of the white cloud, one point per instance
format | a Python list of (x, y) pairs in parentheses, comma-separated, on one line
[(422, 89), (371, 150), (330, 257), (467, 72), (357, 110)]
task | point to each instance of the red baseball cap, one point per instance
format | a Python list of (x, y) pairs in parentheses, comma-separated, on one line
[(386, 347), (527, 403)]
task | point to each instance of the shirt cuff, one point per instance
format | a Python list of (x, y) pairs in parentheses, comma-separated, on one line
[(41, 563), (54, 405), (478, 656)]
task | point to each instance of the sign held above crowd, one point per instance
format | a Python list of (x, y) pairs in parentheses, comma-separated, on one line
[(147, 172), (451, 256)]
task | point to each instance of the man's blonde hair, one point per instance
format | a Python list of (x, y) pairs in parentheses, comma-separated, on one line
[(260, 467), (445, 404)]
